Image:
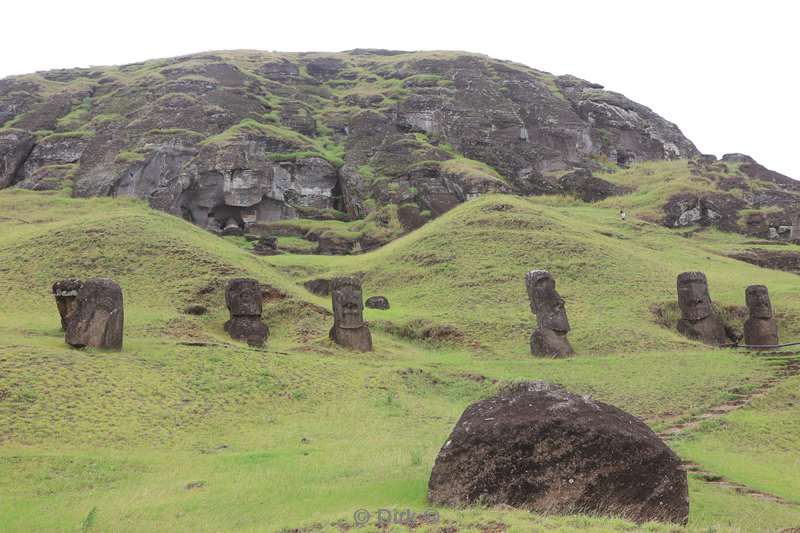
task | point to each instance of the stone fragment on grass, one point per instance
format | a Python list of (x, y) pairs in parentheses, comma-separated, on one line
[(377, 302)]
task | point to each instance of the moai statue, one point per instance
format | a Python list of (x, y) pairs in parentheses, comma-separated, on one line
[(66, 293), (243, 298), (698, 320), (761, 328), (349, 329), (550, 336), (98, 317)]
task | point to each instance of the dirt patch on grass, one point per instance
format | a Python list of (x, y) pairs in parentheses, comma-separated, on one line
[(776, 260), (423, 330)]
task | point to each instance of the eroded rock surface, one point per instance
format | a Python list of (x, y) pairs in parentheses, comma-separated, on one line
[(770, 201), (760, 329), (98, 318), (349, 329), (550, 337), (244, 300), (536, 446), (15, 148), (377, 302), (256, 137), (66, 294), (261, 136), (698, 319)]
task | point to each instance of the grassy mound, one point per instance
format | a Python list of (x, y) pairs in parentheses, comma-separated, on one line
[(466, 269), (169, 435)]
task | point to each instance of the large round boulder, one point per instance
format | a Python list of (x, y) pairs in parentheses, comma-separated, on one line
[(538, 447)]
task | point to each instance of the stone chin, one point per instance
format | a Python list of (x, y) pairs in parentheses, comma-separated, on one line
[(697, 312), (558, 324), (350, 321)]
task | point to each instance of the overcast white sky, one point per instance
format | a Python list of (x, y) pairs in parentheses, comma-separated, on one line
[(725, 71)]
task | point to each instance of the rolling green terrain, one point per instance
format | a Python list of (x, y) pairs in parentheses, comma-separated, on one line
[(187, 430)]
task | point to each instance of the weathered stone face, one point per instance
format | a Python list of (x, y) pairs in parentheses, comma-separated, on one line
[(546, 303), (243, 297), (98, 318), (760, 329), (550, 337), (348, 306), (538, 447), (349, 329), (66, 293), (757, 299), (698, 320), (693, 297)]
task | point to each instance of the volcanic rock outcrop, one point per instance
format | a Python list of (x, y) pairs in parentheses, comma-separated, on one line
[(730, 185), (698, 319), (536, 446), (244, 302), (66, 294), (349, 329), (550, 336), (258, 136), (98, 318), (233, 139), (760, 329)]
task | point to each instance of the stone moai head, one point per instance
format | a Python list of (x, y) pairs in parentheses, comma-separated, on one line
[(693, 298), (67, 288), (546, 303), (66, 293), (98, 318), (243, 297), (348, 305), (757, 298)]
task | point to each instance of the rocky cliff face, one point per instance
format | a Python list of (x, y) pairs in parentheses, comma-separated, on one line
[(232, 139)]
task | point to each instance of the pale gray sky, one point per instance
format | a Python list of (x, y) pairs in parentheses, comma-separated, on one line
[(725, 71)]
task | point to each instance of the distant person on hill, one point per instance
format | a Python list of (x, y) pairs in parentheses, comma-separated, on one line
[(622, 215)]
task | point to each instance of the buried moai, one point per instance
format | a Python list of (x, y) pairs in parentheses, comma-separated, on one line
[(243, 298), (536, 446), (349, 329), (760, 329), (550, 336), (98, 317), (66, 293), (698, 320)]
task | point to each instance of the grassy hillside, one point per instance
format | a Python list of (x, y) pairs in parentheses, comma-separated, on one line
[(166, 436)]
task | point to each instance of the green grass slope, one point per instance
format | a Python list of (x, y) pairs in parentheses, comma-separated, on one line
[(166, 436), (466, 269)]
